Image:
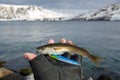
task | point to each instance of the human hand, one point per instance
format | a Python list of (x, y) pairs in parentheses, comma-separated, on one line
[(29, 56), (46, 68)]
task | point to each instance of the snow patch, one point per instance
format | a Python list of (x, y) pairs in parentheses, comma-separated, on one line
[(109, 13), (28, 12)]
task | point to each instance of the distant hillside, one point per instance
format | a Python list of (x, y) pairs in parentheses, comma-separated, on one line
[(27, 12), (109, 13), (30, 12)]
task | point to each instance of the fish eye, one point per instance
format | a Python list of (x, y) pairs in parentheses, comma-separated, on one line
[(42, 48)]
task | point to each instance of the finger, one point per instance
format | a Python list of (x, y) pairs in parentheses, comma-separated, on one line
[(63, 40), (69, 42), (66, 54), (75, 57), (29, 56), (51, 41)]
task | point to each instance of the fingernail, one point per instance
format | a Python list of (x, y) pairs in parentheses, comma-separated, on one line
[(50, 41), (70, 42), (63, 40), (25, 56)]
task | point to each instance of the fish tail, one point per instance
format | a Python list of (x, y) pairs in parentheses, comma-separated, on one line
[(95, 59)]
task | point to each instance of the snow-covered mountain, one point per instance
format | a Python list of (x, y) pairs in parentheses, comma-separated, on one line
[(28, 12), (109, 13)]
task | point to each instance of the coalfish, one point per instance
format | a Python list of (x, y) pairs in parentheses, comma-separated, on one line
[(60, 48)]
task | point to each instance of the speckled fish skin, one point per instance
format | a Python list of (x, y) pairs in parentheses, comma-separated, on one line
[(60, 48)]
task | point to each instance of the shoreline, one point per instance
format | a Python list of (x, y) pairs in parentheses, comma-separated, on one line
[(26, 74)]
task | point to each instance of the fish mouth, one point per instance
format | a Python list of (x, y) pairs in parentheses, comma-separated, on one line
[(37, 51)]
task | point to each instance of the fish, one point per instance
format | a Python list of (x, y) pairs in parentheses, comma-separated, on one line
[(60, 48)]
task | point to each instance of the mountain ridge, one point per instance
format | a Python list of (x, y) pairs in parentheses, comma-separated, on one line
[(33, 13), (108, 13), (27, 12)]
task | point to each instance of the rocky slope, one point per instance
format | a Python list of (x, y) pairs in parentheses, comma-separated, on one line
[(109, 13)]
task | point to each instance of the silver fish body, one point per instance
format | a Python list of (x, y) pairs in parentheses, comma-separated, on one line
[(60, 48)]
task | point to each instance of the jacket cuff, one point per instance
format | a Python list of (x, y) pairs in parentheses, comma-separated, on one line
[(40, 59)]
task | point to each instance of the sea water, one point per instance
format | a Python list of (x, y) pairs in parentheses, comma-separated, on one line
[(99, 37)]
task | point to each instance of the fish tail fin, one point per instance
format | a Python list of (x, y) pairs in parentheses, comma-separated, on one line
[(95, 59)]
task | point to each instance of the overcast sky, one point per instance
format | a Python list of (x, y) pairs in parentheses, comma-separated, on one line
[(63, 4)]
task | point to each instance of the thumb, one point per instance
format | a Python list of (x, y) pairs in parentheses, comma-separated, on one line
[(29, 56)]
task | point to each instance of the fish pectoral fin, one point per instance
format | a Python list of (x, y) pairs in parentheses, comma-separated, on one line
[(57, 48)]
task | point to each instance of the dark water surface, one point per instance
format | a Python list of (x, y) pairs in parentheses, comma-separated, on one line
[(100, 38)]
